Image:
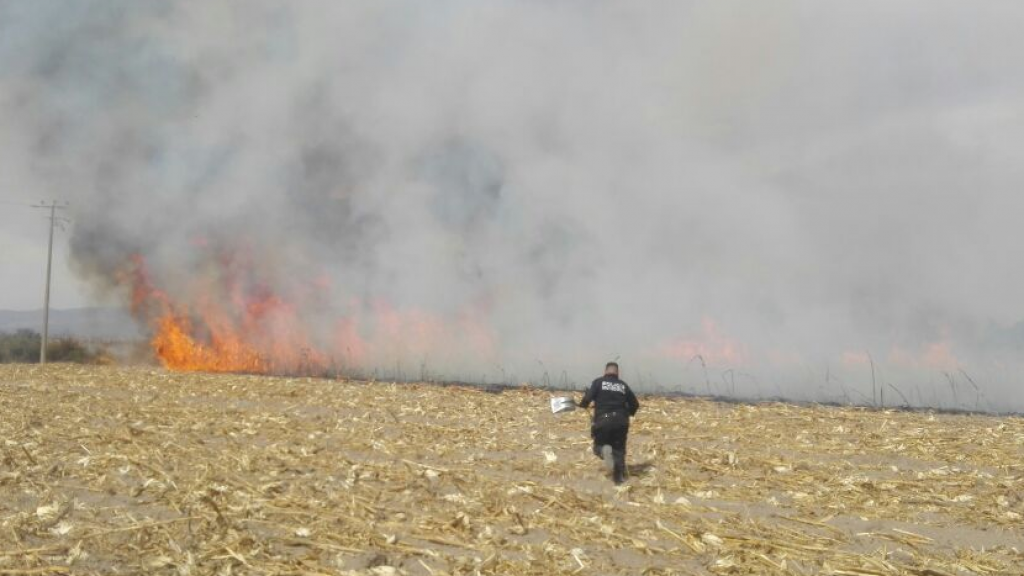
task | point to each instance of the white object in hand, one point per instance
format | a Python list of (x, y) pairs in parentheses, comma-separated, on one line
[(562, 404)]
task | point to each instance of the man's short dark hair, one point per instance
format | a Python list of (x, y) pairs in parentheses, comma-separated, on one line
[(611, 365)]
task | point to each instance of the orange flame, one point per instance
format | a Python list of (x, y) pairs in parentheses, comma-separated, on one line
[(936, 355), (257, 334), (711, 345), (228, 325), (178, 350)]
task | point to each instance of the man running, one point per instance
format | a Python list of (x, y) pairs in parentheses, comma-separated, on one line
[(614, 403)]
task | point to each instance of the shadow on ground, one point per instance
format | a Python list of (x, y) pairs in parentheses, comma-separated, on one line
[(640, 470)]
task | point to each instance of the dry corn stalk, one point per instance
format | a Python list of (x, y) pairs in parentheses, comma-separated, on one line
[(153, 472)]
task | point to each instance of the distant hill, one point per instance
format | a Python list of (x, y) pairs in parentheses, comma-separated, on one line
[(84, 323)]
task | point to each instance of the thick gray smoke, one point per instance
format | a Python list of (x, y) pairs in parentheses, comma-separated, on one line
[(748, 199)]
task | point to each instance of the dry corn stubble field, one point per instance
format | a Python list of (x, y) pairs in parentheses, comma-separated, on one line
[(108, 470)]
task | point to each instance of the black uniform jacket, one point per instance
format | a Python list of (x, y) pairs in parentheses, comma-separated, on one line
[(609, 394)]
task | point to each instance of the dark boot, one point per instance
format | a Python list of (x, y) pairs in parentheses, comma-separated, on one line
[(607, 455), (619, 474)]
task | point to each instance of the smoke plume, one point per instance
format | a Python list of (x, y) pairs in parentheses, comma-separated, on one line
[(806, 199)]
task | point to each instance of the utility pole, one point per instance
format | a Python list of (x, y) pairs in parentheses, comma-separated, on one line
[(54, 222)]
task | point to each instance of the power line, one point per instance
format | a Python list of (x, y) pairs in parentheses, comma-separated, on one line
[(55, 221)]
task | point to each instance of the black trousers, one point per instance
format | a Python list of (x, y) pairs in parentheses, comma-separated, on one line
[(612, 432)]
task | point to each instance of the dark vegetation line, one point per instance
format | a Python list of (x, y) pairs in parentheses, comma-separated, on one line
[(564, 386), (737, 400), (22, 346)]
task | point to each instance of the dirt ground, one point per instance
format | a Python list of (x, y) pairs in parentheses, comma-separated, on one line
[(107, 470)]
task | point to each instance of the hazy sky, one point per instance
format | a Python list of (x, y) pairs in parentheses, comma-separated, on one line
[(783, 188), (23, 240)]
